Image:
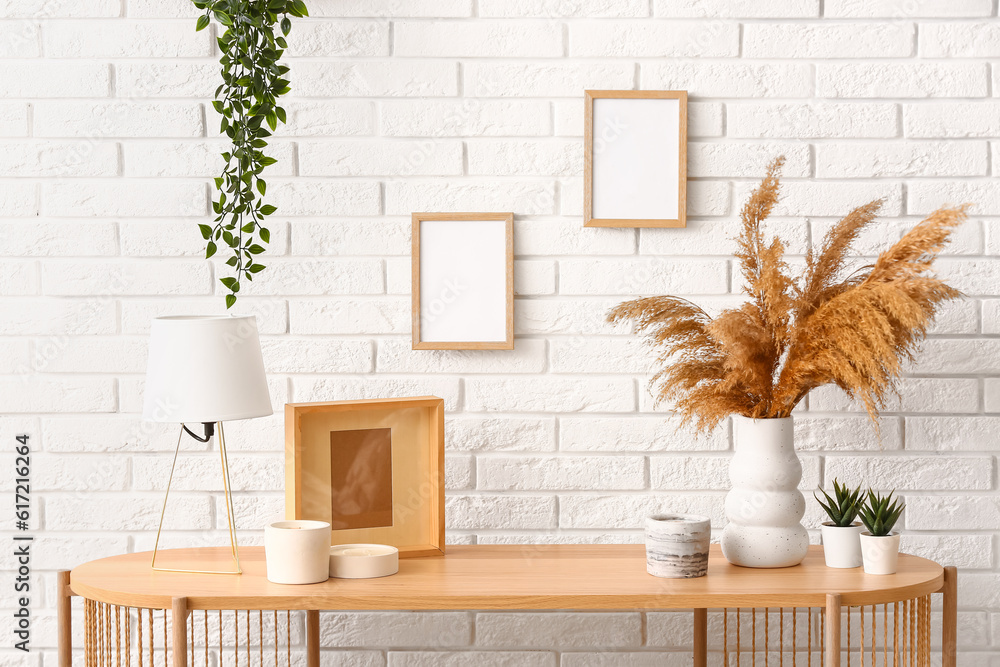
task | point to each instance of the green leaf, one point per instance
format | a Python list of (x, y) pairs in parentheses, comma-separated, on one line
[(253, 80)]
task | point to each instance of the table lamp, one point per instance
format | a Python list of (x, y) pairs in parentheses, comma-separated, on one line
[(204, 370)]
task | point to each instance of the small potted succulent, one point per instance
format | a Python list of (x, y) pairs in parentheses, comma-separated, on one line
[(879, 544), (841, 543)]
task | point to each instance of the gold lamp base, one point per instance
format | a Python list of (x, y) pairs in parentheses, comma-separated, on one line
[(229, 510)]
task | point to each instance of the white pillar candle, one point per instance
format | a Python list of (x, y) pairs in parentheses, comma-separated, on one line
[(363, 561), (297, 552)]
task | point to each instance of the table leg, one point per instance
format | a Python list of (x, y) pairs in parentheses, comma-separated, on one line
[(64, 614), (832, 630), (312, 638), (949, 624), (178, 618), (700, 638)]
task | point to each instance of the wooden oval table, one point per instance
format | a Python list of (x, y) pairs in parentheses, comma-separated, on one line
[(809, 605)]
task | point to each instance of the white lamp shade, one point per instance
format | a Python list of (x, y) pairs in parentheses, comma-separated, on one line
[(205, 369)]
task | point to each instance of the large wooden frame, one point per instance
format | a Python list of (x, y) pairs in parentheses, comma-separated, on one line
[(622, 146), (417, 453), (501, 336)]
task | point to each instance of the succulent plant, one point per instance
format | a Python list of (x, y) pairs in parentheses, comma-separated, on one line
[(880, 513), (844, 509)]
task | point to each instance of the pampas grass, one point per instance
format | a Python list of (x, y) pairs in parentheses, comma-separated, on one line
[(853, 329)]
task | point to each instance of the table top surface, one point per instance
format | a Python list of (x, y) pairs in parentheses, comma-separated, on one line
[(602, 576)]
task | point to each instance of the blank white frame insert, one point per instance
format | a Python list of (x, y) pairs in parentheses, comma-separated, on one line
[(463, 285), (635, 166)]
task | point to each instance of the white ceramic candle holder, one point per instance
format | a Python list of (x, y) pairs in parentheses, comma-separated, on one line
[(297, 552), (363, 561)]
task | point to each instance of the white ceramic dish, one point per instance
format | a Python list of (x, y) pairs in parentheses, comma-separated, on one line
[(363, 561)]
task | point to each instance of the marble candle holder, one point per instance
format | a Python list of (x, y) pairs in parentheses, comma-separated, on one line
[(677, 545)]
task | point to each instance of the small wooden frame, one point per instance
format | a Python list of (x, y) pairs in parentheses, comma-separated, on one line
[(635, 158), (463, 281), (417, 464)]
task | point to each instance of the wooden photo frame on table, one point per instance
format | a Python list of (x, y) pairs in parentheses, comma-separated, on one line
[(635, 158), (463, 281), (373, 469)]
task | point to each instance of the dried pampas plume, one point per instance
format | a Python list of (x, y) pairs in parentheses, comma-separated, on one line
[(829, 326)]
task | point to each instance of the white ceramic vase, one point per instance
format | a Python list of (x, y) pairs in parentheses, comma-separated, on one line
[(297, 552), (842, 545), (880, 553), (764, 507)]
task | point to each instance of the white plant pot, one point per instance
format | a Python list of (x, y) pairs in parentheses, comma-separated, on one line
[(677, 545), (764, 507), (842, 545), (880, 553), (297, 552)]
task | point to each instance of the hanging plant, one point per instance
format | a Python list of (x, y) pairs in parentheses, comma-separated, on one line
[(252, 82)]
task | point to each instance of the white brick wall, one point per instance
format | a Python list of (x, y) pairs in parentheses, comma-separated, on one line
[(109, 143)]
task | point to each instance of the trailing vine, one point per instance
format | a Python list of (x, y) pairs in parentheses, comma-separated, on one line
[(247, 100)]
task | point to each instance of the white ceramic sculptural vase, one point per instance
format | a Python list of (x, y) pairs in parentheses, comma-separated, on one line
[(765, 506)]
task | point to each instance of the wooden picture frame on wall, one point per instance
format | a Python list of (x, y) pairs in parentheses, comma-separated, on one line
[(463, 281), (635, 158), (373, 469)]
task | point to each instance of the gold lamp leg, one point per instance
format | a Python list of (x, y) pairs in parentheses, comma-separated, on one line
[(229, 510)]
